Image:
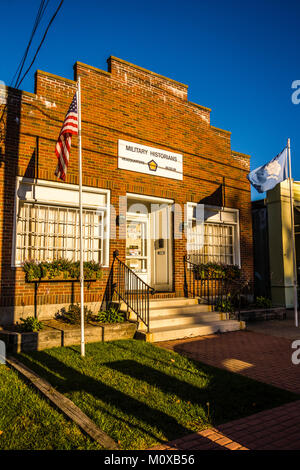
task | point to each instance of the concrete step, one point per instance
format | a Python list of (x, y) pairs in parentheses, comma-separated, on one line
[(180, 310), (173, 302), (155, 304), (179, 319), (176, 332)]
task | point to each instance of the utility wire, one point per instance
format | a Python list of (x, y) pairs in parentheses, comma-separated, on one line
[(38, 18), (41, 43), (40, 13)]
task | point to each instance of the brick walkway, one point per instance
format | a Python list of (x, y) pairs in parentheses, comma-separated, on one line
[(259, 356), (276, 429), (262, 357)]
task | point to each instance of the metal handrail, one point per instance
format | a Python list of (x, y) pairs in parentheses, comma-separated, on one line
[(130, 288)]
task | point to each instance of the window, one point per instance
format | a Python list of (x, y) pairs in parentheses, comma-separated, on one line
[(52, 232), (47, 231), (212, 237)]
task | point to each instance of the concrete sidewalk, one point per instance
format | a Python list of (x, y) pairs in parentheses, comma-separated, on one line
[(260, 356), (280, 328)]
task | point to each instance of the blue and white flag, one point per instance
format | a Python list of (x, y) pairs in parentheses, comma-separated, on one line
[(266, 177)]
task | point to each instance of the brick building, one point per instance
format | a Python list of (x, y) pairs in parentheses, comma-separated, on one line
[(146, 149)]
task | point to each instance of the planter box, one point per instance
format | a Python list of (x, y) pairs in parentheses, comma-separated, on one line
[(61, 278), (198, 276), (277, 313), (52, 337)]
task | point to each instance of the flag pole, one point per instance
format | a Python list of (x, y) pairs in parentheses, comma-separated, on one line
[(82, 343), (293, 235)]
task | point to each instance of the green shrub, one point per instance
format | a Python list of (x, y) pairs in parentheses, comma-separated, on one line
[(263, 302), (225, 305), (73, 314), (112, 315), (30, 324)]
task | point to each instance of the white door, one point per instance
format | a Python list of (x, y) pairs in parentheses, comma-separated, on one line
[(161, 249)]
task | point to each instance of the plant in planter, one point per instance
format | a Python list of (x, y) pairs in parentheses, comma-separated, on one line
[(30, 324), (225, 305), (212, 270), (232, 271), (61, 269), (263, 302), (73, 314), (33, 270), (111, 315), (57, 268)]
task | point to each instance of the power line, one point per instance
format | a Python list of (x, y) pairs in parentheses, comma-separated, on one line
[(38, 18), (41, 43), (21, 64)]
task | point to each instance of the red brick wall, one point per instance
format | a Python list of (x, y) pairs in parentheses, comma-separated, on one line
[(129, 103)]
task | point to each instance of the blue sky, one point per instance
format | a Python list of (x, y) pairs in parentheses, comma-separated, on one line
[(238, 58)]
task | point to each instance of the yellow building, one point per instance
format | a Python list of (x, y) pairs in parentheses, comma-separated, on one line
[(273, 248)]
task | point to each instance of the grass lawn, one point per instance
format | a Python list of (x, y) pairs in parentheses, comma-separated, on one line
[(28, 422), (139, 394)]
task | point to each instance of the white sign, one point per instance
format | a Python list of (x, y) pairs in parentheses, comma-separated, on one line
[(149, 160)]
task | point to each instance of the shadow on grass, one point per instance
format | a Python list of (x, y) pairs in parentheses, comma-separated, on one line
[(171, 386), (200, 369), (117, 405), (132, 392)]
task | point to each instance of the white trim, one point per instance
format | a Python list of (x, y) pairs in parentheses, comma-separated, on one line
[(136, 214), (14, 240), (150, 198), (106, 233), (55, 184), (237, 247)]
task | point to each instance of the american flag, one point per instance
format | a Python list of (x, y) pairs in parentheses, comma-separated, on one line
[(63, 145)]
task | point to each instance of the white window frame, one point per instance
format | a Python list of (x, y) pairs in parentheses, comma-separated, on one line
[(66, 195), (220, 218)]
